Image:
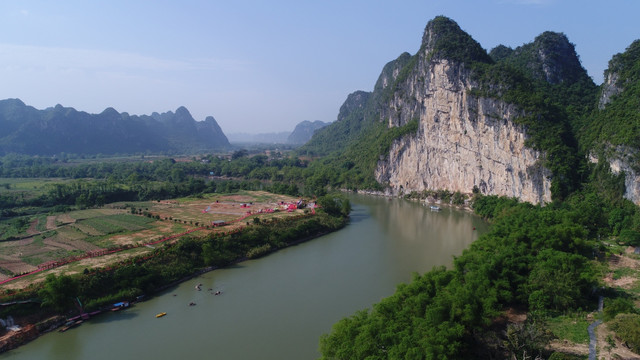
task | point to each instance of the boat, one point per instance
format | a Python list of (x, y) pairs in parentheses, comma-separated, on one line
[(161, 314), (435, 208), (119, 306), (70, 324)]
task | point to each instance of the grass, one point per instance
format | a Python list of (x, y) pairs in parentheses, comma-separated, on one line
[(37, 241), (39, 185), (103, 225), (71, 233), (87, 229), (38, 259), (90, 213), (624, 271), (8, 230), (570, 327), (140, 221)]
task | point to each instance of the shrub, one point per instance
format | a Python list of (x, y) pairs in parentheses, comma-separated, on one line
[(617, 306), (627, 328)]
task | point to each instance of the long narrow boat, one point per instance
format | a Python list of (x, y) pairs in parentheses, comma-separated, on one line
[(70, 324), (161, 314)]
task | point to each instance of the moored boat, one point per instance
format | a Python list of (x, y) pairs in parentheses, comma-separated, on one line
[(119, 306), (161, 314), (70, 324)]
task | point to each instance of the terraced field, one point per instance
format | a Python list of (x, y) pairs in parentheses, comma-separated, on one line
[(61, 236)]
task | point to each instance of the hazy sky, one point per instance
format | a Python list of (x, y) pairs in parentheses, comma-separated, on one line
[(260, 66)]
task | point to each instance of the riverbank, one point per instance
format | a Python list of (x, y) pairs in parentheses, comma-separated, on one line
[(460, 201), (214, 252)]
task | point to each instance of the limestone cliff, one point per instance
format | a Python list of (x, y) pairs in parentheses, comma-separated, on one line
[(617, 141), (620, 64), (622, 160), (463, 140), (610, 88)]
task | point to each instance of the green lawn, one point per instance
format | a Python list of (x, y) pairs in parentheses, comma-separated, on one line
[(570, 327)]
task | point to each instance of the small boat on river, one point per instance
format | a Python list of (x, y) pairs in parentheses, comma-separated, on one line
[(161, 314), (435, 208), (70, 324), (119, 306)]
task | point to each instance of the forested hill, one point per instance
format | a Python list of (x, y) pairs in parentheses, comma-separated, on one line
[(304, 131), (611, 134), (617, 119), (26, 130), (455, 116)]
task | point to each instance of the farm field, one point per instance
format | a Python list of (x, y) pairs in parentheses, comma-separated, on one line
[(129, 226), (30, 186)]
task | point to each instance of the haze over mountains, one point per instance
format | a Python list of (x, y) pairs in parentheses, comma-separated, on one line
[(300, 134), (26, 130)]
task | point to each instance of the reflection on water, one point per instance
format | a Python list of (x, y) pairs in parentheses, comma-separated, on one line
[(276, 307)]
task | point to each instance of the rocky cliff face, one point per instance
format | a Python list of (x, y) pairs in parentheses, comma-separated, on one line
[(620, 63), (462, 140), (620, 161), (620, 77), (609, 89)]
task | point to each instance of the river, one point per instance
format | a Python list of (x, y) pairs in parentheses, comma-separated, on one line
[(276, 307)]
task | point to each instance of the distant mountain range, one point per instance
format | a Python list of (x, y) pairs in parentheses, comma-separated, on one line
[(300, 135), (26, 130)]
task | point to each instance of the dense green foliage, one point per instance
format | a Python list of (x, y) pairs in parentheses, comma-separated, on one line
[(59, 292), (450, 42), (337, 136), (533, 257), (619, 122), (138, 180), (354, 167), (555, 94), (618, 306)]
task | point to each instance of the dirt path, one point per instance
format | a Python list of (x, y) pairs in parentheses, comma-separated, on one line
[(619, 351), (32, 230), (51, 222)]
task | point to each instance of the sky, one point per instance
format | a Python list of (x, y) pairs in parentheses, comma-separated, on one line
[(261, 66)]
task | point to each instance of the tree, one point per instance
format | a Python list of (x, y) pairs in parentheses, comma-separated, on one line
[(60, 292), (335, 204), (523, 341)]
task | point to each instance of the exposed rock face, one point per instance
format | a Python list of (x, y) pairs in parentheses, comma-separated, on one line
[(462, 141), (619, 163), (619, 63), (551, 57), (619, 160), (622, 158), (610, 88)]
